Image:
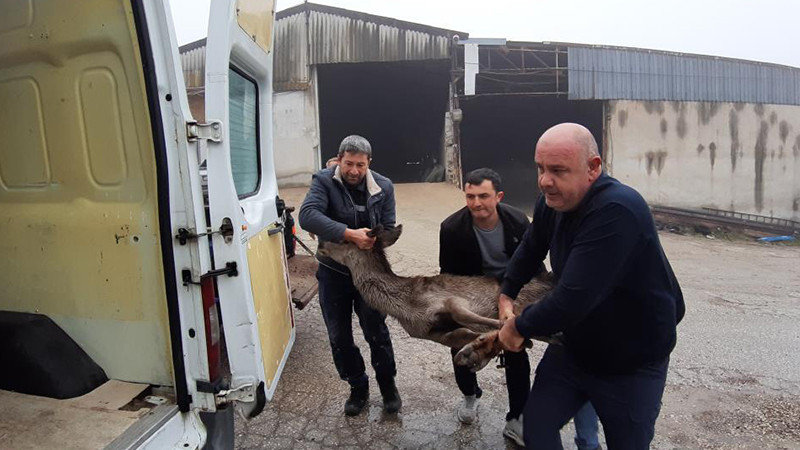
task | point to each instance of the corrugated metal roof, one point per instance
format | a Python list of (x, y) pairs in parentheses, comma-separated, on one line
[(636, 74)]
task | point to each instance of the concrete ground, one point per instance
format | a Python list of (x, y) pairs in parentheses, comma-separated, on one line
[(734, 379)]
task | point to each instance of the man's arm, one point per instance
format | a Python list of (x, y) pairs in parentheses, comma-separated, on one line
[(528, 258), (388, 208), (312, 214), (600, 256), (447, 263)]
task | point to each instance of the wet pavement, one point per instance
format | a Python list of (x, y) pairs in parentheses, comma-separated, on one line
[(734, 380)]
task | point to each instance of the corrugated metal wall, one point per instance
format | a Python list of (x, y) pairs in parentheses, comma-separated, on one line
[(291, 54), (193, 63), (606, 73), (340, 38)]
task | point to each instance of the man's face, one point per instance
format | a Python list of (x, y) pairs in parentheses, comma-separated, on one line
[(353, 167), (482, 199), (565, 174)]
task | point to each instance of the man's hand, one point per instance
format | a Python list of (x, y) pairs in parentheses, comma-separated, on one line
[(359, 237), (509, 338), (505, 307)]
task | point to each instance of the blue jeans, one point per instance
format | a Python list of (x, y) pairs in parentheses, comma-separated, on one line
[(628, 405), (338, 298), (586, 428)]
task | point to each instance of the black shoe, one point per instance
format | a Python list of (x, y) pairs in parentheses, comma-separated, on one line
[(357, 400), (391, 398)]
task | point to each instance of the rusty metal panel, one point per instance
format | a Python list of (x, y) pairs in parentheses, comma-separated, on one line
[(635, 74), (343, 39)]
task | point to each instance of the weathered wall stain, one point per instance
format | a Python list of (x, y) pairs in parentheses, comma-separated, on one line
[(712, 153), (676, 106), (733, 123), (622, 118), (796, 146), (760, 156), (655, 160), (700, 148), (796, 204), (773, 117), (759, 109), (651, 107), (664, 127), (783, 129), (680, 126), (707, 110), (738, 106)]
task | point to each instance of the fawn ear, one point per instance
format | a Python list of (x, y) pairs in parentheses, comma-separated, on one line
[(389, 236), (375, 232)]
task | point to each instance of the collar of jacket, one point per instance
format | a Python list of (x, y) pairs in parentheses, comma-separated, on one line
[(372, 186)]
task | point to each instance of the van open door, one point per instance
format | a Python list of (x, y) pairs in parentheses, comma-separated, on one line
[(242, 190)]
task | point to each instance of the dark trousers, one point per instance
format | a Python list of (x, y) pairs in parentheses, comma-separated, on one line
[(628, 405), (338, 299), (518, 381)]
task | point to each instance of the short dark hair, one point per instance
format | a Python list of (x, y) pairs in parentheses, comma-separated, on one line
[(355, 144), (478, 176)]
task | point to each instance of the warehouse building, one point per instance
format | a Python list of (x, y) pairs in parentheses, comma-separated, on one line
[(687, 131)]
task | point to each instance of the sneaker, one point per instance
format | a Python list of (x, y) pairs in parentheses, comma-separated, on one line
[(513, 431), (357, 400), (391, 398), (467, 411)]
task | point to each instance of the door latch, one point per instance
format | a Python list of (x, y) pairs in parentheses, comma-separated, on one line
[(230, 270), (225, 230)]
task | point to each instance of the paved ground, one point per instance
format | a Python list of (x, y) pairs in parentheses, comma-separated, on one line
[(734, 380)]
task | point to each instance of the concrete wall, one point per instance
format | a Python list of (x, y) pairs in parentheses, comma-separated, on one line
[(295, 137), (730, 156)]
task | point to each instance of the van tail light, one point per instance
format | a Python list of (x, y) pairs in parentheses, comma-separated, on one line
[(211, 319)]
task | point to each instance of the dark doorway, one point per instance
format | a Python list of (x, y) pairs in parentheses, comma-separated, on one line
[(398, 106), (500, 132)]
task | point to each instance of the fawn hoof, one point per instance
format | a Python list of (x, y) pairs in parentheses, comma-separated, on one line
[(477, 354)]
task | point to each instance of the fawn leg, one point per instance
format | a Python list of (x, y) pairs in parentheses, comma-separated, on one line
[(457, 307), (456, 338), (477, 354)]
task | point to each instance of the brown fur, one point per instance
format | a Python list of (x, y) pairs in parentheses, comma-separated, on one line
[(448, 309)]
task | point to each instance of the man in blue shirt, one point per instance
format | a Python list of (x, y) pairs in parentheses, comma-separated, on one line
[(617, 301)]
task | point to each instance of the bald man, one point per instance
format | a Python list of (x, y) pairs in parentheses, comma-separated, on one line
[(616, 301)]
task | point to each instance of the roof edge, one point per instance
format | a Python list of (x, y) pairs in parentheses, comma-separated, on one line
[(366, 17)]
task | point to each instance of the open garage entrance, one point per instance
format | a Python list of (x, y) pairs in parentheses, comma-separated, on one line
[(398, 106), (500, 132)]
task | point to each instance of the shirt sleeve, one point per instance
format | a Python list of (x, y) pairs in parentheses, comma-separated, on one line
[(528, 259), (601, 253), (446, 251), (388, 208), (312, 214)]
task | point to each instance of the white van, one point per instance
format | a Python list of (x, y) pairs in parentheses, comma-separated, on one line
[(112, 284)]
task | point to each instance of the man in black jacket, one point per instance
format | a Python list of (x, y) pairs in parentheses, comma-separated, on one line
[(617, 301), (343, 203), (479, 239)]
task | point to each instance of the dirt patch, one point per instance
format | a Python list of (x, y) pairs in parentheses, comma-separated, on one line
[(779, 418)]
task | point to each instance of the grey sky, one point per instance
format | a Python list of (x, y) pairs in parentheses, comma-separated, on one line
[(760, 30)]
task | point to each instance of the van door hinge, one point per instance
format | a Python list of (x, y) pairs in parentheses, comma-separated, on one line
[(230, 270), (226, 230), (211, 131)]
